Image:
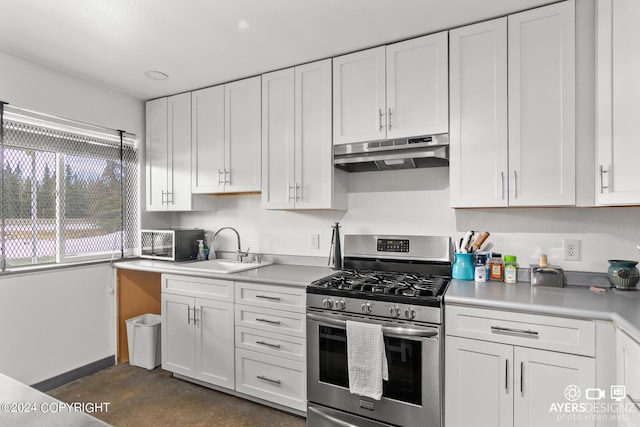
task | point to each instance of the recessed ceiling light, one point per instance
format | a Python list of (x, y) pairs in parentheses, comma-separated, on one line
[(156, 75), (243, 25)]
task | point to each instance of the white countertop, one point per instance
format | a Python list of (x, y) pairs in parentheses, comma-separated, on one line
[(281, 274), (621, 307)]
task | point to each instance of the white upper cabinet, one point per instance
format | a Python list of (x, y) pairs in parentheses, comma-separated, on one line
[(359, 105), (391, 91), (207, 140), (617, 92), (226, 137), (242, 136), (512, 139), (417, 87), (542, 106), (168, 153), (478, 136), (297, 153)]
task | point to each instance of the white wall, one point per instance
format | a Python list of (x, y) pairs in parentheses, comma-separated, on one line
[(417, 202), (54, 322)]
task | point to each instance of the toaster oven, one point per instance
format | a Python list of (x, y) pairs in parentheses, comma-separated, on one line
[(174, 244)]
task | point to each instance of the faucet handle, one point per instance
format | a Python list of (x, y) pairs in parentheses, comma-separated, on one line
[(242, 254)]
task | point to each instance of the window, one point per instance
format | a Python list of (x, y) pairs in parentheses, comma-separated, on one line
[(68, 192)]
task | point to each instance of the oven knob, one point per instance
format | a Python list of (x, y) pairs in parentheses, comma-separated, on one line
[(340, 305), (327, 303), (409, 313), (366, 308), (394, 311)]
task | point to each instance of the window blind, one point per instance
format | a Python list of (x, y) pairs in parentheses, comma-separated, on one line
[(69, 191)]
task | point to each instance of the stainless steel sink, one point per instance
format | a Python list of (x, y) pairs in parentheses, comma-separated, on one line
[(222, 266)]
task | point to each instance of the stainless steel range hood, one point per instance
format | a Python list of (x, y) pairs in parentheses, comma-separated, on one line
[(405, 153)]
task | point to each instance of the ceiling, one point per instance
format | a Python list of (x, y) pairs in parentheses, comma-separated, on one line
[(201, 43)]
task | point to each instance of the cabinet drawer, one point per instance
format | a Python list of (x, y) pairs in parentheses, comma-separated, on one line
[(523, 329), (271, 296), (290, 347), (272, 378), (220, 290), (265, 319)]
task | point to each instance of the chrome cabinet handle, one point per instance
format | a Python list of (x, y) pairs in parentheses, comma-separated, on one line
[(380, 119), (389, 124), (502, 185), (295, 193), (602, 172), (195, 317), (278, 346), (522, 378), (268, 297), (169, 201), (510, 331), (188, 315), (289, 188), (163, 194), (226, 172), (515, 184), (506, 375), (262, 377), (274, 322), (219, 177)]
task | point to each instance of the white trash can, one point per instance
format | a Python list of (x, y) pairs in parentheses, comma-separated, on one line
[(143, 339)]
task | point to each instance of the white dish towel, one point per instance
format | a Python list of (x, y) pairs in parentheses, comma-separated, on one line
[(366, 358)]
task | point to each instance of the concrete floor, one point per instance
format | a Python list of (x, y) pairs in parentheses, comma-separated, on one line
[(139, 397)]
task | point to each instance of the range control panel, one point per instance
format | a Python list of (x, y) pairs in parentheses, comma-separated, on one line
[(393, 245)]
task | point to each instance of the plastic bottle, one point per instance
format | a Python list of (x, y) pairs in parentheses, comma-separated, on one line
[(206, 251), (510, 269), (481, 268), (200, 250), (497, 267)]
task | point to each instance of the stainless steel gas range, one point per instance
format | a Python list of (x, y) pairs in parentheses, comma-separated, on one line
[(397, 282)]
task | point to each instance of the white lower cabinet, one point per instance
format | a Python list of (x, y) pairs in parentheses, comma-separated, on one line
[(272, 378), (500, 384), (197, 333), (271, 343), (628, 375)]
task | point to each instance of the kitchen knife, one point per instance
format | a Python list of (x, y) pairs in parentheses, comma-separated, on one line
[(465, 242)]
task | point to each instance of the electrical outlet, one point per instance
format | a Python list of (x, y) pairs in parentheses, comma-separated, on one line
[(314, 241), (571, 249)]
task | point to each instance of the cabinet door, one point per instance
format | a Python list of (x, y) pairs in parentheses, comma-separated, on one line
[(215, 342), (541, 378), (179, 142), (479, 383), (278, 154), (418, 87), (313, 147), (243, 129), (156, 155), (359, 96), (178, 335), (542, 106), (628, 375), (478, 137), (618, 91), (207, 140)]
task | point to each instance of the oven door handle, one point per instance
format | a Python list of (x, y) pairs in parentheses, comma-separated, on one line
[(396, 331)]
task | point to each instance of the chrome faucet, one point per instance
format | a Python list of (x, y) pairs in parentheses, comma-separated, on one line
[(239, 253)]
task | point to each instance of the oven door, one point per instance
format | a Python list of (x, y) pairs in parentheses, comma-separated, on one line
[(411, 396)]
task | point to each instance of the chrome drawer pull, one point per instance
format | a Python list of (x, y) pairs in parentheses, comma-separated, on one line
[(275, 322), (506, 375), (268, 297), (522, 378), (269, 344), (262, 377), (527, 332)]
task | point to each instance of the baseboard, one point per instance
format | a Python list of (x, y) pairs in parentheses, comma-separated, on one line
[(74, 374)]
